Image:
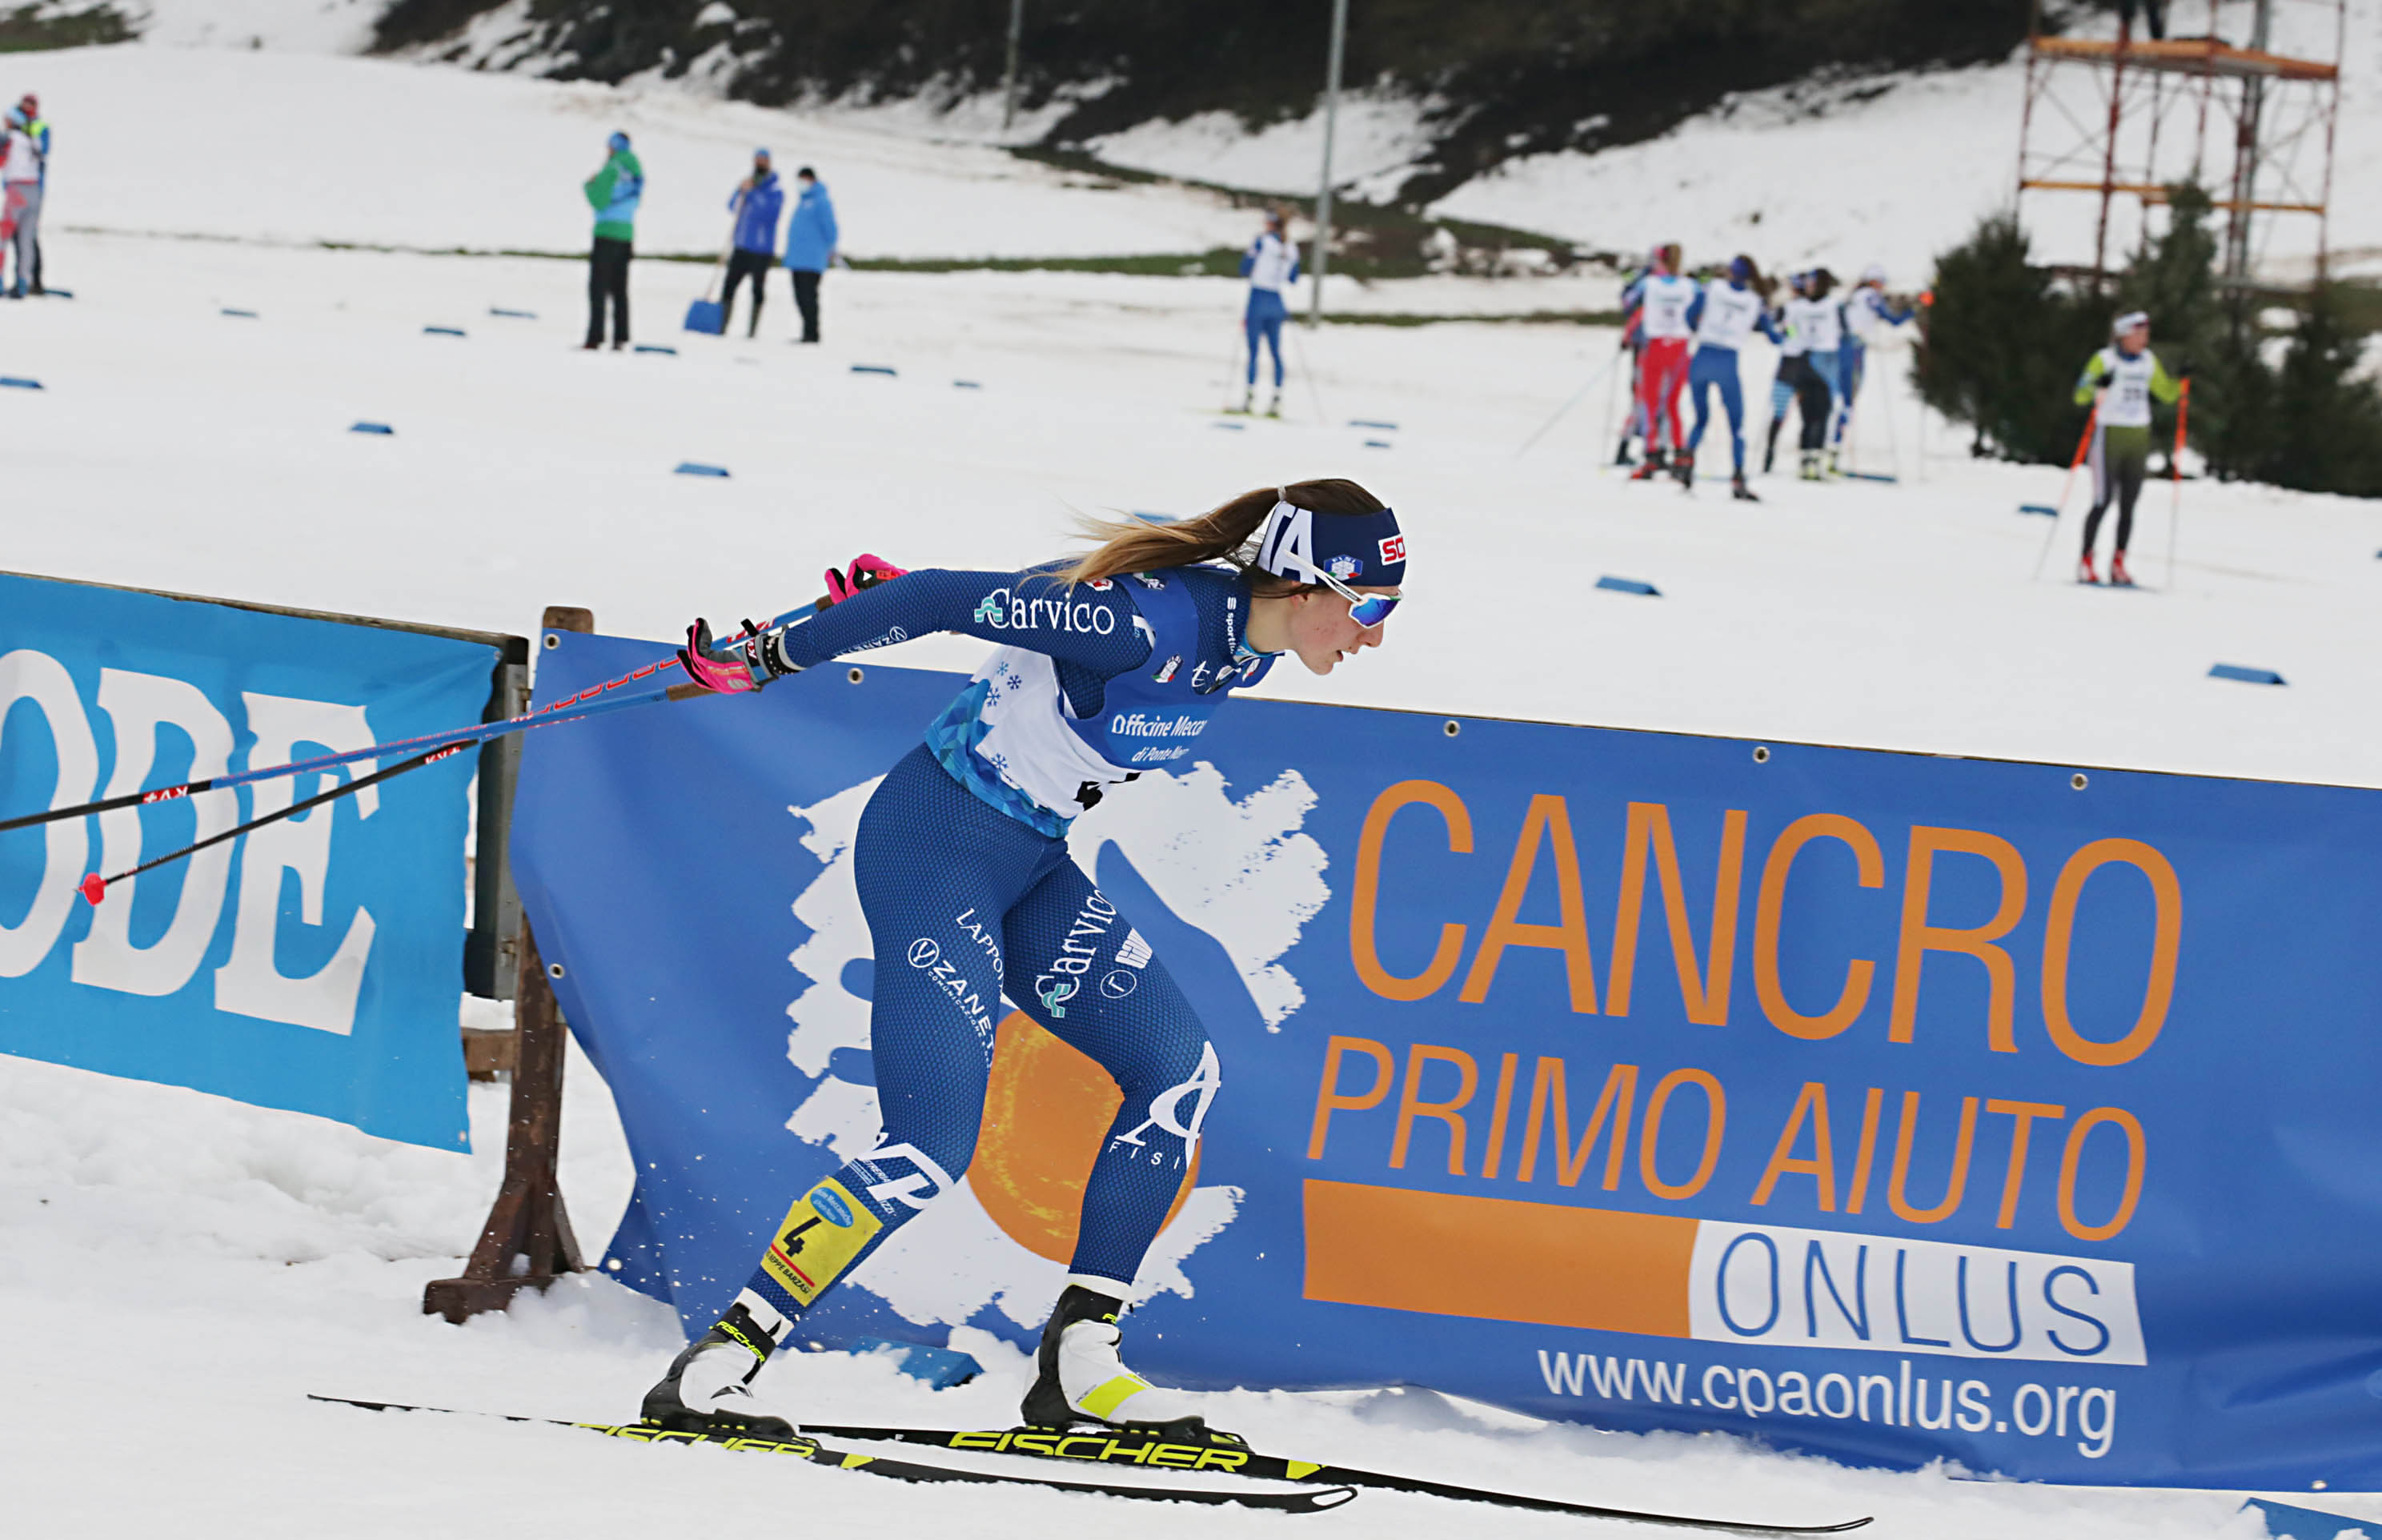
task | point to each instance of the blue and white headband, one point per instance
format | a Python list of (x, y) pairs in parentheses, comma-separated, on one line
[(1360, 549)]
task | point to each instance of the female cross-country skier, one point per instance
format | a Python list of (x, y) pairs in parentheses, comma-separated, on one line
[(2122, 378), (1270, 264), (1724, 314), (1818, 323), (1107, 666), (1663, 298), (1867, 313), (1786, 384)]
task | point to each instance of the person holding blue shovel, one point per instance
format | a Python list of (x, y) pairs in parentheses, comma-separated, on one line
[(756, 202)]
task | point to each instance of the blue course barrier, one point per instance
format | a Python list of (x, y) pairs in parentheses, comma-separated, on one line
[(243, 315), (2246, 675), (1898, 1107), (513, 314), (311, 963), (2043, 508), (693, 468), (657, 347), (16, 382), (382, 428), (885, 369), (442, 331), (1369, 422), (1628, 585)]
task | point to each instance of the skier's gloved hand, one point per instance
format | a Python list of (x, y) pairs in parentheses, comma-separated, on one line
[(715, 667), (866, 572)]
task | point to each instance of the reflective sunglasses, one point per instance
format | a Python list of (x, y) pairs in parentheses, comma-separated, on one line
[(1367, 610)]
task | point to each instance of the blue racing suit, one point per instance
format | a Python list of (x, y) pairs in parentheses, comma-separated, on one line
[(1724, 316), (961, 864)]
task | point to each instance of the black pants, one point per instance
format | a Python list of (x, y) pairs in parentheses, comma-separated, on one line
[(2121, 456), (743, 265), (806, 301), (1812, 404), (607, 277)]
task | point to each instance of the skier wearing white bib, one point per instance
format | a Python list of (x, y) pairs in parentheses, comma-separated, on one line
[(2123, 378)]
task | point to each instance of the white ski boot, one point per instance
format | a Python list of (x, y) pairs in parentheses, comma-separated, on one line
[(1083, 1380), (1273, 409), (1248, 404), (705, 1391)]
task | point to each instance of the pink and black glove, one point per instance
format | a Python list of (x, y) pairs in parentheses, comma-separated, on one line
[(866, 572), (718, 668)]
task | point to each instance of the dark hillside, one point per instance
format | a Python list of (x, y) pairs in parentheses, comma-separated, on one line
[(1506, 77)]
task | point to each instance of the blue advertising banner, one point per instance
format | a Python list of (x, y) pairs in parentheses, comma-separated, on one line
[(1891, 1107), (313, 964)]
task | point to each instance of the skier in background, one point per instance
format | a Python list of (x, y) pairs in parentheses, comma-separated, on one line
[(1816, 320), (811, 236), (1726, 313), (1785, 385), (1270, 264), (963, 872), (1867, 313), (20, 198), (2121, 381), (755, 203), (613, 193), (1665, 296), (38, 127), (1633, 342)]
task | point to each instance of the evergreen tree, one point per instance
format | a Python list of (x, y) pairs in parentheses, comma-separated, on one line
[(2326, 432), (2004, 344)]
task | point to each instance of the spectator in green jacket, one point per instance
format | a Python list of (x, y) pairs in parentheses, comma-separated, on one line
[(613, 193)]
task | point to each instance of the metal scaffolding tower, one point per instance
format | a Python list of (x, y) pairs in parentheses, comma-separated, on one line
[(2130, 117)]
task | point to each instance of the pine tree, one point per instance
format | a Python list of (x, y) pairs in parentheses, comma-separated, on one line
[(2326, 435)]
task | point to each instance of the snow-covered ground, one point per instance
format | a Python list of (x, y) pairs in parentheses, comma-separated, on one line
[(203, 1264)]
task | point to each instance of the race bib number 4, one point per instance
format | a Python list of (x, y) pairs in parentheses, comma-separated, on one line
[(822, 1233)]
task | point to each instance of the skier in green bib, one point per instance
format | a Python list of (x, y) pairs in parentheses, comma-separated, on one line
[(2122, 378)]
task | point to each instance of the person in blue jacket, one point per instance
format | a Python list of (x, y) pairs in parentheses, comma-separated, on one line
[(1106, 668), (810, 246), (1270, 264), (755, 203)]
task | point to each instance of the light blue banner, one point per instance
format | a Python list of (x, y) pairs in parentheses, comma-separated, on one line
[(313, 964), (1898, 1107)]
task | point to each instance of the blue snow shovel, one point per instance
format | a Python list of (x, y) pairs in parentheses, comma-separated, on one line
[(706, 315)]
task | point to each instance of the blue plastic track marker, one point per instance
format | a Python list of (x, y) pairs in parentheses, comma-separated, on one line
[(885, 369), (690, 468), (2043, 508), (442, 331), (2247, 676), (1377, 443), (12, 382), (657, 347), (243, 314), (512, 315), (966, 385), (1630, 586), (1869, 475), (374, 427), (1233, 427), (2287, 1522), (1369, 422)]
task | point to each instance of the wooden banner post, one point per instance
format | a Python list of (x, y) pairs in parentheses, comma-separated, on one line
[(527, 1241)]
